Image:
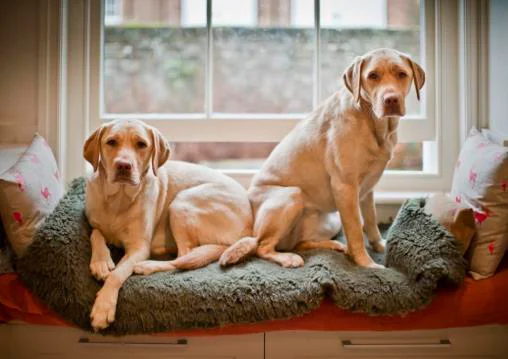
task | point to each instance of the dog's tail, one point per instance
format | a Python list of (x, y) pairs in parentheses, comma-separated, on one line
[(239, 251)]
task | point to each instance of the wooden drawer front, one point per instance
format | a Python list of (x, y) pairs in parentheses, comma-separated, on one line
[(479, 342), (29, 341)]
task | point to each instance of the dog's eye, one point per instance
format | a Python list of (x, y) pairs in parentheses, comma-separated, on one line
[(141, 144), (373, 76), (402, 75), (111, 142)]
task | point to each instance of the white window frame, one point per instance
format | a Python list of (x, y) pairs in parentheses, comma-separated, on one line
[(82, 109)]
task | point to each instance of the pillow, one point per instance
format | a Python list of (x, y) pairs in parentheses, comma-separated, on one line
[(29, 191), (457, 218), (481, 182), (9, 155), (6, 256)]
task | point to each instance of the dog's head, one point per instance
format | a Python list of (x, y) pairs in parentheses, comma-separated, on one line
[(383, 78), (126, 150)]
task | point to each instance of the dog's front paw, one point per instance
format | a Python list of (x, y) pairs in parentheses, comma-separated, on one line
[(367, 262), (149, 267), (104, 310), (378, 246), (370, 264), (374, 265), (290, 260), (101, 268)]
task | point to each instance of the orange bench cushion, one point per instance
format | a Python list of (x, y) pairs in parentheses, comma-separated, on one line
[(474, 303)]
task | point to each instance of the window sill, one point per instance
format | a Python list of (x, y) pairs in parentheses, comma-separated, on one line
[(399, 197), (381, 197)]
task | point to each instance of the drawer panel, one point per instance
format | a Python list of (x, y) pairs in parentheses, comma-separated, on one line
[(31, 341), (478, 342)]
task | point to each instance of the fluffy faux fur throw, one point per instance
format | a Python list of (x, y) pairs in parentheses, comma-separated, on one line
[(420, 253)]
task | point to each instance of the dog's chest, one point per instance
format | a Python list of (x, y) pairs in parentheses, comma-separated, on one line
[(375, 157), (117, 226)]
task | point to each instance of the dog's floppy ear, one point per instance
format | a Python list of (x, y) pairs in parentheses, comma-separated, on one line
[(418, 75), (160, 149), (353, 77), (92, 148)]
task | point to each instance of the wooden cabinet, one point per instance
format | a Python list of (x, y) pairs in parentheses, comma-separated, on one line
[(19, 341), (478, 342), (49, 342)]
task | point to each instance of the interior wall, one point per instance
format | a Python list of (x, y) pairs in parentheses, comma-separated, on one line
[(19, 70), (498, 70)]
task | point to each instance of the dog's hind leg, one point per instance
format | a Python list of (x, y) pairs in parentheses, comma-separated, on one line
[(196, 258), (318, 229), (279, 211)]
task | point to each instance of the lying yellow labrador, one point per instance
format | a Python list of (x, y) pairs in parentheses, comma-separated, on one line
[(331, 161), (138, 200)]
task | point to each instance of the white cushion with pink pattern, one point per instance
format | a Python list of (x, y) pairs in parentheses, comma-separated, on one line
[(481, 181), (29, 191)]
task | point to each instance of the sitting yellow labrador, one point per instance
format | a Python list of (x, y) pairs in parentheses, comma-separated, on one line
[(331, 161), (138, 200)]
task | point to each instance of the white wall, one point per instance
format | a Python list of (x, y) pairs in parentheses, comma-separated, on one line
[(29, 71), (19, 61), (498, 69)]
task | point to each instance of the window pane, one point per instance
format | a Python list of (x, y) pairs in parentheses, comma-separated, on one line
[(234, 13), (352, 28), (154, 57), (262, 63), (244, 156), (407, 157), (224, 155)]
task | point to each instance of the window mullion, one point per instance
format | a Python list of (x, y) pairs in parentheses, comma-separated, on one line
[(209, 61), (317, 54)]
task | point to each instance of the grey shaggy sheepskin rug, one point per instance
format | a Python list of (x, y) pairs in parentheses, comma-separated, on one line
[(420, 255)]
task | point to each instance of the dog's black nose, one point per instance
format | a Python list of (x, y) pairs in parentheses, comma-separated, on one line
[(123, 166), (391, 100)]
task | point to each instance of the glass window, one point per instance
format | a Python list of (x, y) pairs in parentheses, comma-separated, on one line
[(265, 68), (352, 28), (251, 155), (154, 65), (261, 60)]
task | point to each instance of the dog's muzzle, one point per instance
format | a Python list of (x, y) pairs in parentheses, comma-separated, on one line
[(123, 173), (392, 105)]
